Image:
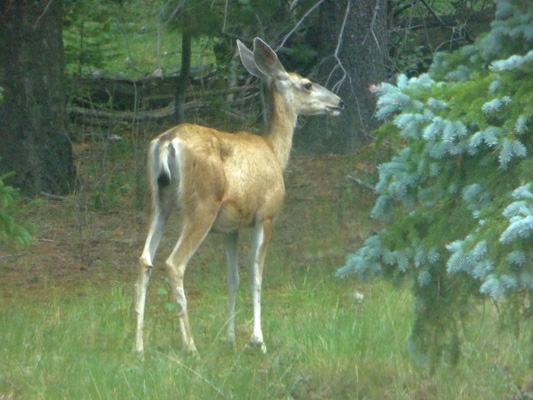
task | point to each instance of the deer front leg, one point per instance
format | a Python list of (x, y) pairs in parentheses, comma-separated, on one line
[(261, 239), (231, 241)]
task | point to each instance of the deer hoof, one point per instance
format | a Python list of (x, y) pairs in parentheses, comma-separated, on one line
[(230, 343), (256, 346), (191, 352)]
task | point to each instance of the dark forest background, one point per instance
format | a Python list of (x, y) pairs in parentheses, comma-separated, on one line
[(119, 63)]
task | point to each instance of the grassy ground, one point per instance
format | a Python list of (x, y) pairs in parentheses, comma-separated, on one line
[(67, 322)]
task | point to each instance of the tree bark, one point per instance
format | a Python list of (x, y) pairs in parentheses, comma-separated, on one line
[(353, 51), (183, 81), (33, 137)]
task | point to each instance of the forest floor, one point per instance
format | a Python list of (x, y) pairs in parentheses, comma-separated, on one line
[(93, 233)]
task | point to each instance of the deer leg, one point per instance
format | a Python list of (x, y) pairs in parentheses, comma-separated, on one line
[(155, 232), (140, 289), (195, 229), (261, 238), (231, 240)]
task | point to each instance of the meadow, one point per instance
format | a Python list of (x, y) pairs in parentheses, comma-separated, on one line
[(67, 323)]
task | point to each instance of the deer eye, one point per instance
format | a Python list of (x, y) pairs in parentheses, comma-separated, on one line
[(308, 86)]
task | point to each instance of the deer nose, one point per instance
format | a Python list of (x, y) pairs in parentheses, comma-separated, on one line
[(341, 104)]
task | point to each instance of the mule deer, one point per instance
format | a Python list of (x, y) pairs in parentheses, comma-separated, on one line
[(224, 182)]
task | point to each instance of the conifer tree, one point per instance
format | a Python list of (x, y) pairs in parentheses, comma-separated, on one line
[(457, 198)]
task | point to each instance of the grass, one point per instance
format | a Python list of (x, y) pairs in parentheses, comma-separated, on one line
[(78, 345), (67, 323)]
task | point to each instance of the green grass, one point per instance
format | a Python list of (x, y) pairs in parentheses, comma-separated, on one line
[(78, 344), (67, 323)]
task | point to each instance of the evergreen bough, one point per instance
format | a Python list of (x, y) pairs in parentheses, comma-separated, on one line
[(10, 230), (457, 198)]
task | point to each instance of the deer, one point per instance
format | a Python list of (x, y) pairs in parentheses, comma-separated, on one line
[(223, 182)]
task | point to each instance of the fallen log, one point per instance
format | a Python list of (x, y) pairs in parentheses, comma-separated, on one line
[(105, 117)]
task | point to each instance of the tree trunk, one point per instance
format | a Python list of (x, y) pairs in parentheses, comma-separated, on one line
[(33, 137), (352, 58), (183, 81)]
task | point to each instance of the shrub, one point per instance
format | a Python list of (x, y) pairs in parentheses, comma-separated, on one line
[(10, 230), (457, 198)]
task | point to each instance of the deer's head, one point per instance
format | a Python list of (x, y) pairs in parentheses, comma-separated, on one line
[(307, 98)]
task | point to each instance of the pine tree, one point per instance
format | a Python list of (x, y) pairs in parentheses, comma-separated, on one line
[(457, 198)]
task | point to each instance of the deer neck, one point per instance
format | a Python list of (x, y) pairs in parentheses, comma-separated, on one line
[(281, 127)]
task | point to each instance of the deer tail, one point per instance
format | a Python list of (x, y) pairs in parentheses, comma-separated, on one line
[(163, 164)]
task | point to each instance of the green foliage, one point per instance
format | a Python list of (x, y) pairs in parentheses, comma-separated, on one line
[(104, 37), (224, 21), (10, 230), (89, 35), (417, 30), (114, 38), (458, 197), (198, 17)]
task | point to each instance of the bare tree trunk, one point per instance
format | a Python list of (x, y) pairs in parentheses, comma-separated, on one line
[(183, 81), (353, 50), (33, 138)]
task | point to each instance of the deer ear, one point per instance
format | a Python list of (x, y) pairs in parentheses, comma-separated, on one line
[(247, 59), (267, 61)]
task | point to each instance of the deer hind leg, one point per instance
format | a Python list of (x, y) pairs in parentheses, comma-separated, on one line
[(162, 204), (261, 238), (196, 227), (231, 240)]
